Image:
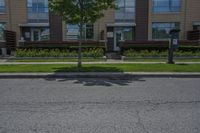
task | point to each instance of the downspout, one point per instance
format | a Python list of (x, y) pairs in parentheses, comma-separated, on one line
[(185, 20)]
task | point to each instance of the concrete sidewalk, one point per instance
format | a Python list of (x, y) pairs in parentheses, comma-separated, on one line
[(113, 75)]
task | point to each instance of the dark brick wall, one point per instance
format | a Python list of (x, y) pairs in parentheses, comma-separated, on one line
[(142, 11), (55, 27)]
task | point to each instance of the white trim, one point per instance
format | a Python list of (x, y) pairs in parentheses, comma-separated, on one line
[(34, 25), (121, 24)]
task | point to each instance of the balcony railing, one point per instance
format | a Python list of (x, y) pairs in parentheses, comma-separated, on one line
[(2, 35), (193, 35)]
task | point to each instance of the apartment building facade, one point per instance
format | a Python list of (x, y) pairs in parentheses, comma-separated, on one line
[(28, 18), (135, 20)]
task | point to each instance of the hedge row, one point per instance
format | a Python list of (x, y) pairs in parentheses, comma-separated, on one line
[(157, 53), (91, 52)]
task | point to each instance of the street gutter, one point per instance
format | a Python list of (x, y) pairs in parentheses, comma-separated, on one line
[(112, 75)]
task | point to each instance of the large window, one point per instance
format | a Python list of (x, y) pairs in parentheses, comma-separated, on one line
[(161, 30), (125, 11), (2, 6), (160, 6), (38, 11), (2, 28), (72, 31)]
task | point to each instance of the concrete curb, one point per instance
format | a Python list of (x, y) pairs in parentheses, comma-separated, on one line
[(114, 75), (74, 63)]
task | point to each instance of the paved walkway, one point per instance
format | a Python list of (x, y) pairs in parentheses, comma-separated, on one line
[(71, 63)]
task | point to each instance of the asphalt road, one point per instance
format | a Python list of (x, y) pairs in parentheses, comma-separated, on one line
[(140, 105)]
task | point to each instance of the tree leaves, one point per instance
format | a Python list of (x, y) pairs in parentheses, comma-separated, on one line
[(75, 11)]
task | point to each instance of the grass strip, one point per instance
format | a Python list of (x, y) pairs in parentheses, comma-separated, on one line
[(101, 68)]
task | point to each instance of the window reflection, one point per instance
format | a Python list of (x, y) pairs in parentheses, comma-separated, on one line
[(166, 6), (2, 6), (125, 11)]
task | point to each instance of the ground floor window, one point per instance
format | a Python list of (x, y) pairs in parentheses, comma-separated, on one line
[(161, 30), (72, 31), (35, 33), (2, 28), (128, 33), (45, 36)]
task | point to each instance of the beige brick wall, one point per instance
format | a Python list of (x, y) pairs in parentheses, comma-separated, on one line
[(189, 14), (192, 14), (16, 13), (101, 23), (19, 15)]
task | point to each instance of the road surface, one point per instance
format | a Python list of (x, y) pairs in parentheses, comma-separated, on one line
[(139, 105)]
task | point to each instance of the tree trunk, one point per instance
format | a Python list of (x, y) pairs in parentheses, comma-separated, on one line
[(80, 37), (80, 46)]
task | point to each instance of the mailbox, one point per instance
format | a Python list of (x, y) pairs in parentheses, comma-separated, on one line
[(174, 38)]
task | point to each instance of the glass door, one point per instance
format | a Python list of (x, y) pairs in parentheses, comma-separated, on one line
[(118, 38), (36, 35)]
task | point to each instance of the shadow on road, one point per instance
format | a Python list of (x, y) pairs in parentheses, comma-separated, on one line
[(96, 80), (121, 81)]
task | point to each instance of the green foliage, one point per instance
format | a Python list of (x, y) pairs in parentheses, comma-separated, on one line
[(77, 11), (157, 53), (90, 52)]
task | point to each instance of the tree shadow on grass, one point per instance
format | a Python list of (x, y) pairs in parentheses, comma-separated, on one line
[(88, 69), (96, 79), (182, 64)]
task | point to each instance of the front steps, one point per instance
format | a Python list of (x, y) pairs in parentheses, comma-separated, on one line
[(113, 55)]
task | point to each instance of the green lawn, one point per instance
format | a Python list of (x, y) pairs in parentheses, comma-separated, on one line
[(102, 68)]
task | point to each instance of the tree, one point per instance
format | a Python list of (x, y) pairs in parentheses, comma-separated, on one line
[(81, 12)]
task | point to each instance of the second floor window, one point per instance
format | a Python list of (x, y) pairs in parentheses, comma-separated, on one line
[(165, 6), (126, 11), (2, 6), (38, 11)]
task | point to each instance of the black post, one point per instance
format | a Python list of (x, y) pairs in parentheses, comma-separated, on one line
[(173, 44), (170, 52)]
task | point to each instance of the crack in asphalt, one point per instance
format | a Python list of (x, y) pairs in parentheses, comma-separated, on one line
[(140, 122), (98, 103)]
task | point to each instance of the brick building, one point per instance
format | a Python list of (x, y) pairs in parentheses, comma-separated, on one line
[(137, 20)]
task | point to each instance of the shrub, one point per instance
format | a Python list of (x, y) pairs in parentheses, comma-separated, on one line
[(157, 53), (90, 52)]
